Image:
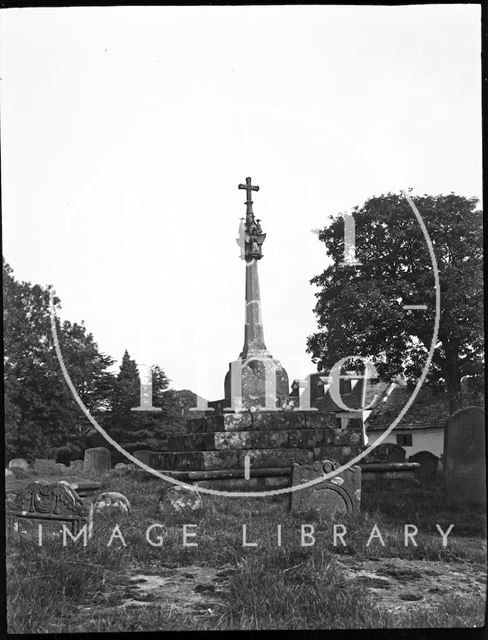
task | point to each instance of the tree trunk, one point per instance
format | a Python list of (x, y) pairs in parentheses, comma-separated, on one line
[(453, 379)]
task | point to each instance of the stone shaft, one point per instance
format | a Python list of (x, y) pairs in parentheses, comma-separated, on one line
[(253, 330)]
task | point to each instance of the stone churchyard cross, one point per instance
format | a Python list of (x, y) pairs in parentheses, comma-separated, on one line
[(249, 189), (254, 238), (256, 379)]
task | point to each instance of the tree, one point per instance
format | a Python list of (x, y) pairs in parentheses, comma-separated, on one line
[(126, 388), (133, 429), (360, 308), (41, 415)]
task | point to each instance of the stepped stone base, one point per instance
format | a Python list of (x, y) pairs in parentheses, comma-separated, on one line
[(241, 484), (269, 439), (276, 439), (262, 421), (234, 459)]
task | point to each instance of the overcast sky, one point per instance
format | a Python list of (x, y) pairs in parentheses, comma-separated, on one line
[(125, 132)]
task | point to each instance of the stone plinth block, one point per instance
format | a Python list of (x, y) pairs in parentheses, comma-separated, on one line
[(265, 420), (251, 440), (230, 421), (280, 438), (194, 460), (97, 460), (262, 420), (253, 382), (275, 457), (340, 494), (240, 484), (235, 422), (320, 419), (196, 425), (288, 456)]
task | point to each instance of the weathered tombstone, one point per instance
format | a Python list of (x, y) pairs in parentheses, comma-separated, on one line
[(386, 452), (112, 501), (464, 457), (20, 463), (97, 460), (121, 468), (177, 500), (50, 504), (427, 471), (76, 466), (45, 466), (61, 468), (340, 494)]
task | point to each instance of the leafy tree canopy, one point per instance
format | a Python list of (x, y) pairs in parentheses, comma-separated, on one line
[(133, 429), (360, 308), (41, 414)]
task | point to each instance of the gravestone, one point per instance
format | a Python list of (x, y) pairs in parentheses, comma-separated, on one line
[(464, 457), (45, 466), (20, 463), (50, 504), (61, 468), (340, 494), (176, 500), (427, 471), (97, 460), (144, 456), (112, 501), (385, 452)]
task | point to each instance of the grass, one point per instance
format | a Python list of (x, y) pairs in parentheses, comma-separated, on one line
[(53, 589)]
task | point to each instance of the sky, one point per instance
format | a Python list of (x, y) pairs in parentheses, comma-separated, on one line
[(125, 132)]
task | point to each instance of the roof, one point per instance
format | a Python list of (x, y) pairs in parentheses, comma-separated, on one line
[(351, 391), (429, 410)]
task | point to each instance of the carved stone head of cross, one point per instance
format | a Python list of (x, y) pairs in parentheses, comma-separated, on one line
[(249, 189), (254, 237)]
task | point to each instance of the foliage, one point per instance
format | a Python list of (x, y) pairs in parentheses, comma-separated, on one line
[(139, 429), (42, 419), (360, 308), (41, 414)]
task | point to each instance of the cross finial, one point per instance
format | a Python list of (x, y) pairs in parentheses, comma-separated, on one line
[(249, 189)]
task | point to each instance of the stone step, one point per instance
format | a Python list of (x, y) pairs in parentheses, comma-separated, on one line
[(277, 438), (263, 421), (205, 460), (241, 484)]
